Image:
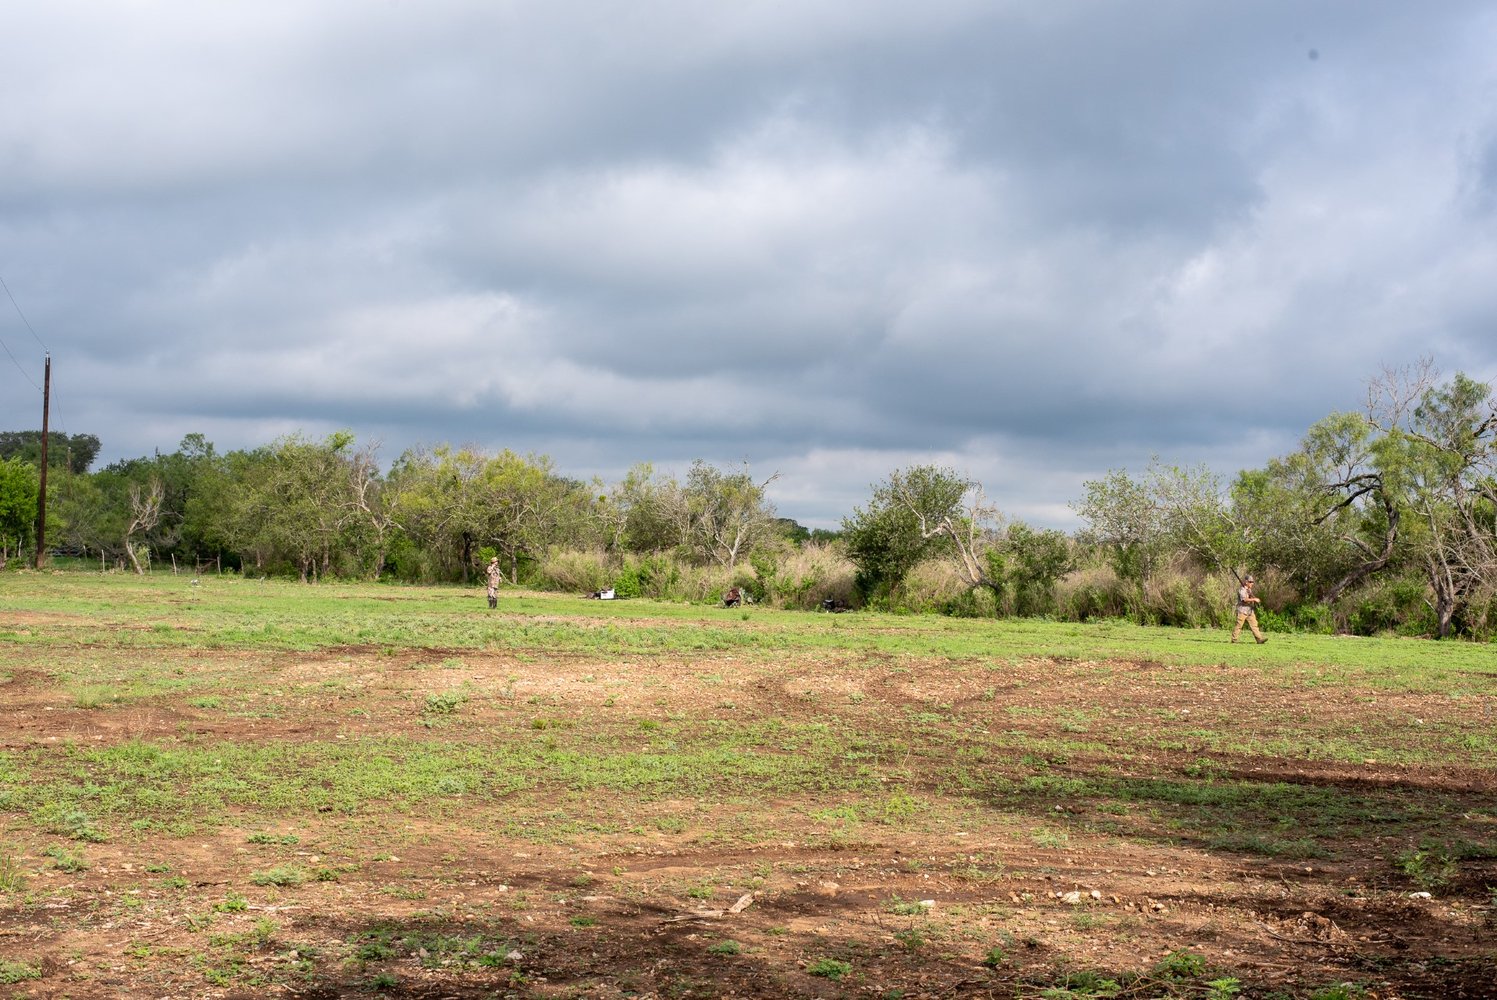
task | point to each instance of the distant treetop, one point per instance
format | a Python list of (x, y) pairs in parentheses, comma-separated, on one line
[(73, 452)]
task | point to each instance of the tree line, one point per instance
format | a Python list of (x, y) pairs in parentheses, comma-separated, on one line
[(1381, 519)]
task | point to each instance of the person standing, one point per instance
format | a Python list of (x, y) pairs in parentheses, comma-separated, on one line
[(1247, 610), (495, 575)]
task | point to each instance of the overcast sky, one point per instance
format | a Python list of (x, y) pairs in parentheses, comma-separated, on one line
[(1030, 240)]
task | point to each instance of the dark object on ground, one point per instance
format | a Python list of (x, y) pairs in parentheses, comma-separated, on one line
[(602, 595), (732, 597), (835, 606)]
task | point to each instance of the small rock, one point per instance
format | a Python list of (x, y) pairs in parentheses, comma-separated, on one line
[(1072, 898), (1420, 895)]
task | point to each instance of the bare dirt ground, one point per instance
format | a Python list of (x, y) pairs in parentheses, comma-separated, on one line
[(659, 898)]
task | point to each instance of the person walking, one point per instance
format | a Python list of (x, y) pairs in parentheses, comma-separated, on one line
[(495, 575), (1247, 610)]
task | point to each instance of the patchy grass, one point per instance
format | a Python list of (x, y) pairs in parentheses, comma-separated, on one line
[(899, 803)]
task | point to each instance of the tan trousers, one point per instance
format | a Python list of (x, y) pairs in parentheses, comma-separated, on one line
[(1251, 619)]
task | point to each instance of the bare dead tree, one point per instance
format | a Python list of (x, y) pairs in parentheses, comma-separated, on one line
[(145, 514)]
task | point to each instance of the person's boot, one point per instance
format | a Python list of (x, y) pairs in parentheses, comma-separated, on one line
[(1262, 639)]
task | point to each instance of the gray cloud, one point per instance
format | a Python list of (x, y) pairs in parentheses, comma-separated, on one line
[(1030, 241)]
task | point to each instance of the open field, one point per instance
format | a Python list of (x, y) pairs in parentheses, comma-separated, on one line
[(249, 789)]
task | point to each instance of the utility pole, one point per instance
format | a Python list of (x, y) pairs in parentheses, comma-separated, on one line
[(41, 500)]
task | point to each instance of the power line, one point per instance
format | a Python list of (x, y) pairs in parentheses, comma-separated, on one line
[(21, 314), (8, 353), (25, 374)]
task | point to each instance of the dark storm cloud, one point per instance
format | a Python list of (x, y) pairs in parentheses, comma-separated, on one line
[(1031, 241)]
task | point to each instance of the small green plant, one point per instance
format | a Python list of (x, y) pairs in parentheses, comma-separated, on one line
[(283, 875), (1180, 965), (897, 808), (11, 879), (1051, 838), (384, 981), (726, 948), (402, 892), (233, 903), (65, 860), (584, 921), (905, 907), (17, 972), (78, 825), (1430, 868), (444, 703), (830, 968), (1341, 991), (996, 956), (910, 940), (1223, 989), (1084, 984), (260, 837)]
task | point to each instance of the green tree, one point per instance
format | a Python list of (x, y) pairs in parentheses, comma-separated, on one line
[(1032, 562), (1448, 452), (73, 453), (526, 507), (1336, 503), (20, 489), (1126, 520), (918, 513), (301, 505), (636, 512), (726, 513)]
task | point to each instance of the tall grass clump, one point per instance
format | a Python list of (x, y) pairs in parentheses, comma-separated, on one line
[(802, 578), (934, 586), (580, 571), (1091, 593)]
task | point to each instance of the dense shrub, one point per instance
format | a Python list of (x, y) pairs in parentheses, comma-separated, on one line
[(1398, 605)]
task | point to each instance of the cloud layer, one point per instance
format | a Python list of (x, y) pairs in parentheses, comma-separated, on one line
[(1034, 242)]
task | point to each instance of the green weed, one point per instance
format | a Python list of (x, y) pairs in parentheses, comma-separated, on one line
[(444, 703), (17, 972), (65, 860), (11, 878), (1431, 868), (281, 875), (829, 968)]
